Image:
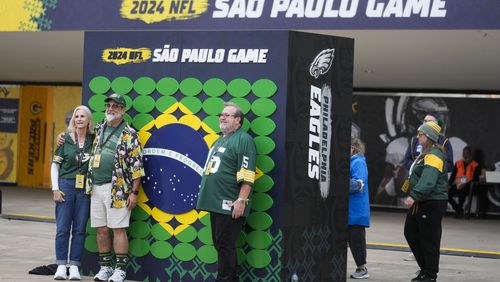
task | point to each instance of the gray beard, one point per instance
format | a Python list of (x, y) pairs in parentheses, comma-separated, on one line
[(110, 117)]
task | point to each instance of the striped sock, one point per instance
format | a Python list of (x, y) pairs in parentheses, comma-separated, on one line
[(121, 260), (105, 259)]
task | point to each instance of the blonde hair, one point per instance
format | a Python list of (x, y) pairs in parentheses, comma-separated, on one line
[(358, 146), (86, 110)]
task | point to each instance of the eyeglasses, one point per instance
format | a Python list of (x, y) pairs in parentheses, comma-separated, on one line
[(114, 106), (225, 115), (420, 134)]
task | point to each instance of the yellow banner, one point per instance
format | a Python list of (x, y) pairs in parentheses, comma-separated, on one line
[(9, 117), (153, 11), (122, 56), (34, 147)]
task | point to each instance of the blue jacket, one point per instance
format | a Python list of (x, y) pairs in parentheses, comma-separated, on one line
[(359, 202)]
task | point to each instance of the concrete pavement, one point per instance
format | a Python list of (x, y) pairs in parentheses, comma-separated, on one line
[(27, 244)]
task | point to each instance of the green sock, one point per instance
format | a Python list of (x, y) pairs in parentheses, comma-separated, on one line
[(105, 259), (121, 260)]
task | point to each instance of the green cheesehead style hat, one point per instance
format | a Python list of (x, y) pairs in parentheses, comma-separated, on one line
[(117, 98), (431, 129)]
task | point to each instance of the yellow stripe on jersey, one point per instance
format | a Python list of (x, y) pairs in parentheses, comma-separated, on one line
[(245, 175), (434, 161), (58, 159)]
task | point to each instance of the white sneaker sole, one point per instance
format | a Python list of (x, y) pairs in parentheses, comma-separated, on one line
[(366, 276)]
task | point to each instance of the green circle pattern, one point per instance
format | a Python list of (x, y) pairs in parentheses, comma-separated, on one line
[(161, 250), (263, 126), (212, 122), (141, 120), (243, 103), (184, 251), (263, 107), (99, 85), (139, 229), (264, 88), (192, 103), (164, 103), (265, 145), (207, 254), (191, 86), (122, 85), (213, 106), (159, 233), (263, 184), (187, 235), (144, 85), (205, 235), (258, 220), (97, 104), (139, 214), (214, 87), (144, 104), (167, 86), (265, 163), (139, 247), (239, 87)]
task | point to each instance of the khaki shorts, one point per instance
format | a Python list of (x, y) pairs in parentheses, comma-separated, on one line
[(101, 213)]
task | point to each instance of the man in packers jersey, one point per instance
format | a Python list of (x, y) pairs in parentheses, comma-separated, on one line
[(226, 187)]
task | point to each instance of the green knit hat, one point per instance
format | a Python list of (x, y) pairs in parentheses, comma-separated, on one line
[(431, 129)]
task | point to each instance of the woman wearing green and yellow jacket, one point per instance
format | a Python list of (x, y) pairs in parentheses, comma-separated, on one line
[(428, 185)]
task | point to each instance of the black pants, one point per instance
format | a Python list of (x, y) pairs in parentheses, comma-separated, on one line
[(462, 194), (225, 231), (423, 233), (357, 244)]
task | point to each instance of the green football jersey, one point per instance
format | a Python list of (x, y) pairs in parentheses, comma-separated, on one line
[(231, 162), (71, 162)]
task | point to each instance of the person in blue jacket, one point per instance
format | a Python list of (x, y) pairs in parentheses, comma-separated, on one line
[(359, 208)]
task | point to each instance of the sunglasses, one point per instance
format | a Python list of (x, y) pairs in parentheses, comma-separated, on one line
[(114, 106)]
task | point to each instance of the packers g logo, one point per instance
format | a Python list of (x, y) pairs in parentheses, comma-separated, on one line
[(322, 63)]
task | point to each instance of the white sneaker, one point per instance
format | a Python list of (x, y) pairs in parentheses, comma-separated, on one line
[(74, 273), (118, 275), (61, 273), (104, 273)]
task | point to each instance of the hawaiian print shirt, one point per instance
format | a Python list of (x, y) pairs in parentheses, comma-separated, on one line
[(128, 165)]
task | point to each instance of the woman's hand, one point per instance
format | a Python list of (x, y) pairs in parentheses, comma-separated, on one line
[(409, 202), (58, 196)]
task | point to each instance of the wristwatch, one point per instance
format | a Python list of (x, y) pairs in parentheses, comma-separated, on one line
[(135, 192)]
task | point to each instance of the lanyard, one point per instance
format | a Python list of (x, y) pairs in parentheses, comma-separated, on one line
[(101, 144), (79, 154)]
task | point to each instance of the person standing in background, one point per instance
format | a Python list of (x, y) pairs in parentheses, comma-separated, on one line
[(68, 170), (359, 208)]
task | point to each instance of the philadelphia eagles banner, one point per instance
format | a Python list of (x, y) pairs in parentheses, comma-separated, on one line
[(294, 89)]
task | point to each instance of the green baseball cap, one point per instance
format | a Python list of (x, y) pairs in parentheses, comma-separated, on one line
[(117, 98)]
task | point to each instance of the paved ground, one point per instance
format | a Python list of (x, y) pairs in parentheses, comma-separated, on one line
[(27, 244)]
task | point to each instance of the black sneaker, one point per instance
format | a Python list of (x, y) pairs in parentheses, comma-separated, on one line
[(424, 278), (419, 274)]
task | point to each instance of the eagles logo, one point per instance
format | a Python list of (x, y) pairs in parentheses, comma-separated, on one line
[(322, 63)]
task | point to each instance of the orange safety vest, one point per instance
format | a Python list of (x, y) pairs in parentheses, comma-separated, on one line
[(467, 172)]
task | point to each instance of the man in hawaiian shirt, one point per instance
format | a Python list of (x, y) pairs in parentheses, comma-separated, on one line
[(115, 171)]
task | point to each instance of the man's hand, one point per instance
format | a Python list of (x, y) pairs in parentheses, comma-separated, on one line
[(60, 139), (131, 201), (238, 208), (409, 202), (58, 196)]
